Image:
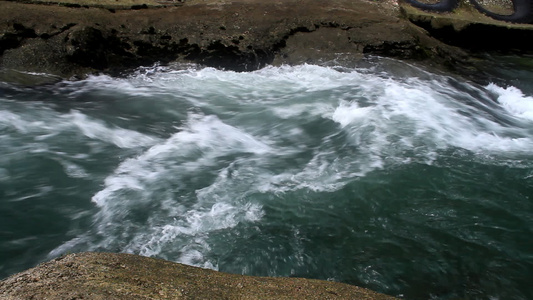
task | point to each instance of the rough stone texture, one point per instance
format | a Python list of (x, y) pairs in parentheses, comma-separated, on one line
[(470, 29), (239, 35), (124, 276)]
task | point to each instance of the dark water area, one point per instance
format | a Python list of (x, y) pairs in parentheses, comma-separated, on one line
[(389, 176)]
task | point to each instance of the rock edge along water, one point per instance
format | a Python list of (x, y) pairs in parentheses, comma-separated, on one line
[(467, 28), (68, 38), (238, 35), (126, 276)]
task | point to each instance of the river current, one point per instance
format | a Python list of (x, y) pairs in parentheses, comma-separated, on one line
[(389, 176)]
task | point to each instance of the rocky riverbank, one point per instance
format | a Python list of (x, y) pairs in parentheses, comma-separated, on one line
[(124, 276), (73, 40), (76, 38)]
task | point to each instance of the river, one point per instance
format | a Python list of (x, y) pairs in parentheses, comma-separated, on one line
[(391, 176)]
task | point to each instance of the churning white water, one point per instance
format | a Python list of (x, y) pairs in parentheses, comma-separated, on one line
[(306, 171)]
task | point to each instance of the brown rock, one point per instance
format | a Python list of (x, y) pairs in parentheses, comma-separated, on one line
[(238, 35), (125, 276)]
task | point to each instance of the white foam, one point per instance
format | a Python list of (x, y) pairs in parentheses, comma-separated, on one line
[(183, 227), (514, 101), (198, 144), (95, 129), (425, 118), (349, 113), (9, 119), (105, 84), (45, 124), (332, 126), (194, 227)]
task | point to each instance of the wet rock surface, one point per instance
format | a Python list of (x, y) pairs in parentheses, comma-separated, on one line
[(126, 276), (469, 29), (239, 35)]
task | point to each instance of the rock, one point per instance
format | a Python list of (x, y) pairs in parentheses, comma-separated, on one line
[(241, 35), (125, 276), (470, 29), (87, 47)]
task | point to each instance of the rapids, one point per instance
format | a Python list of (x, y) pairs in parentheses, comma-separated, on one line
[(389, 176)]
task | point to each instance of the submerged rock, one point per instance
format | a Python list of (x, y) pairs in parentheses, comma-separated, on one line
[(125, 276)]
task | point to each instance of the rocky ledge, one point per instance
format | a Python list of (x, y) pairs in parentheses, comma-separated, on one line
[(241, 35), (77, 37), (125, 276)]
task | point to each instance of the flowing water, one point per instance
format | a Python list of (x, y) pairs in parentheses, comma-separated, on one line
[(388, 176)]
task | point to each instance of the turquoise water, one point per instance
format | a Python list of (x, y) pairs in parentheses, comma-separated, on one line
[(410, 182)]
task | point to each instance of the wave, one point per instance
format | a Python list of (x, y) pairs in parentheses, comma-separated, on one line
[(240, 138)]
